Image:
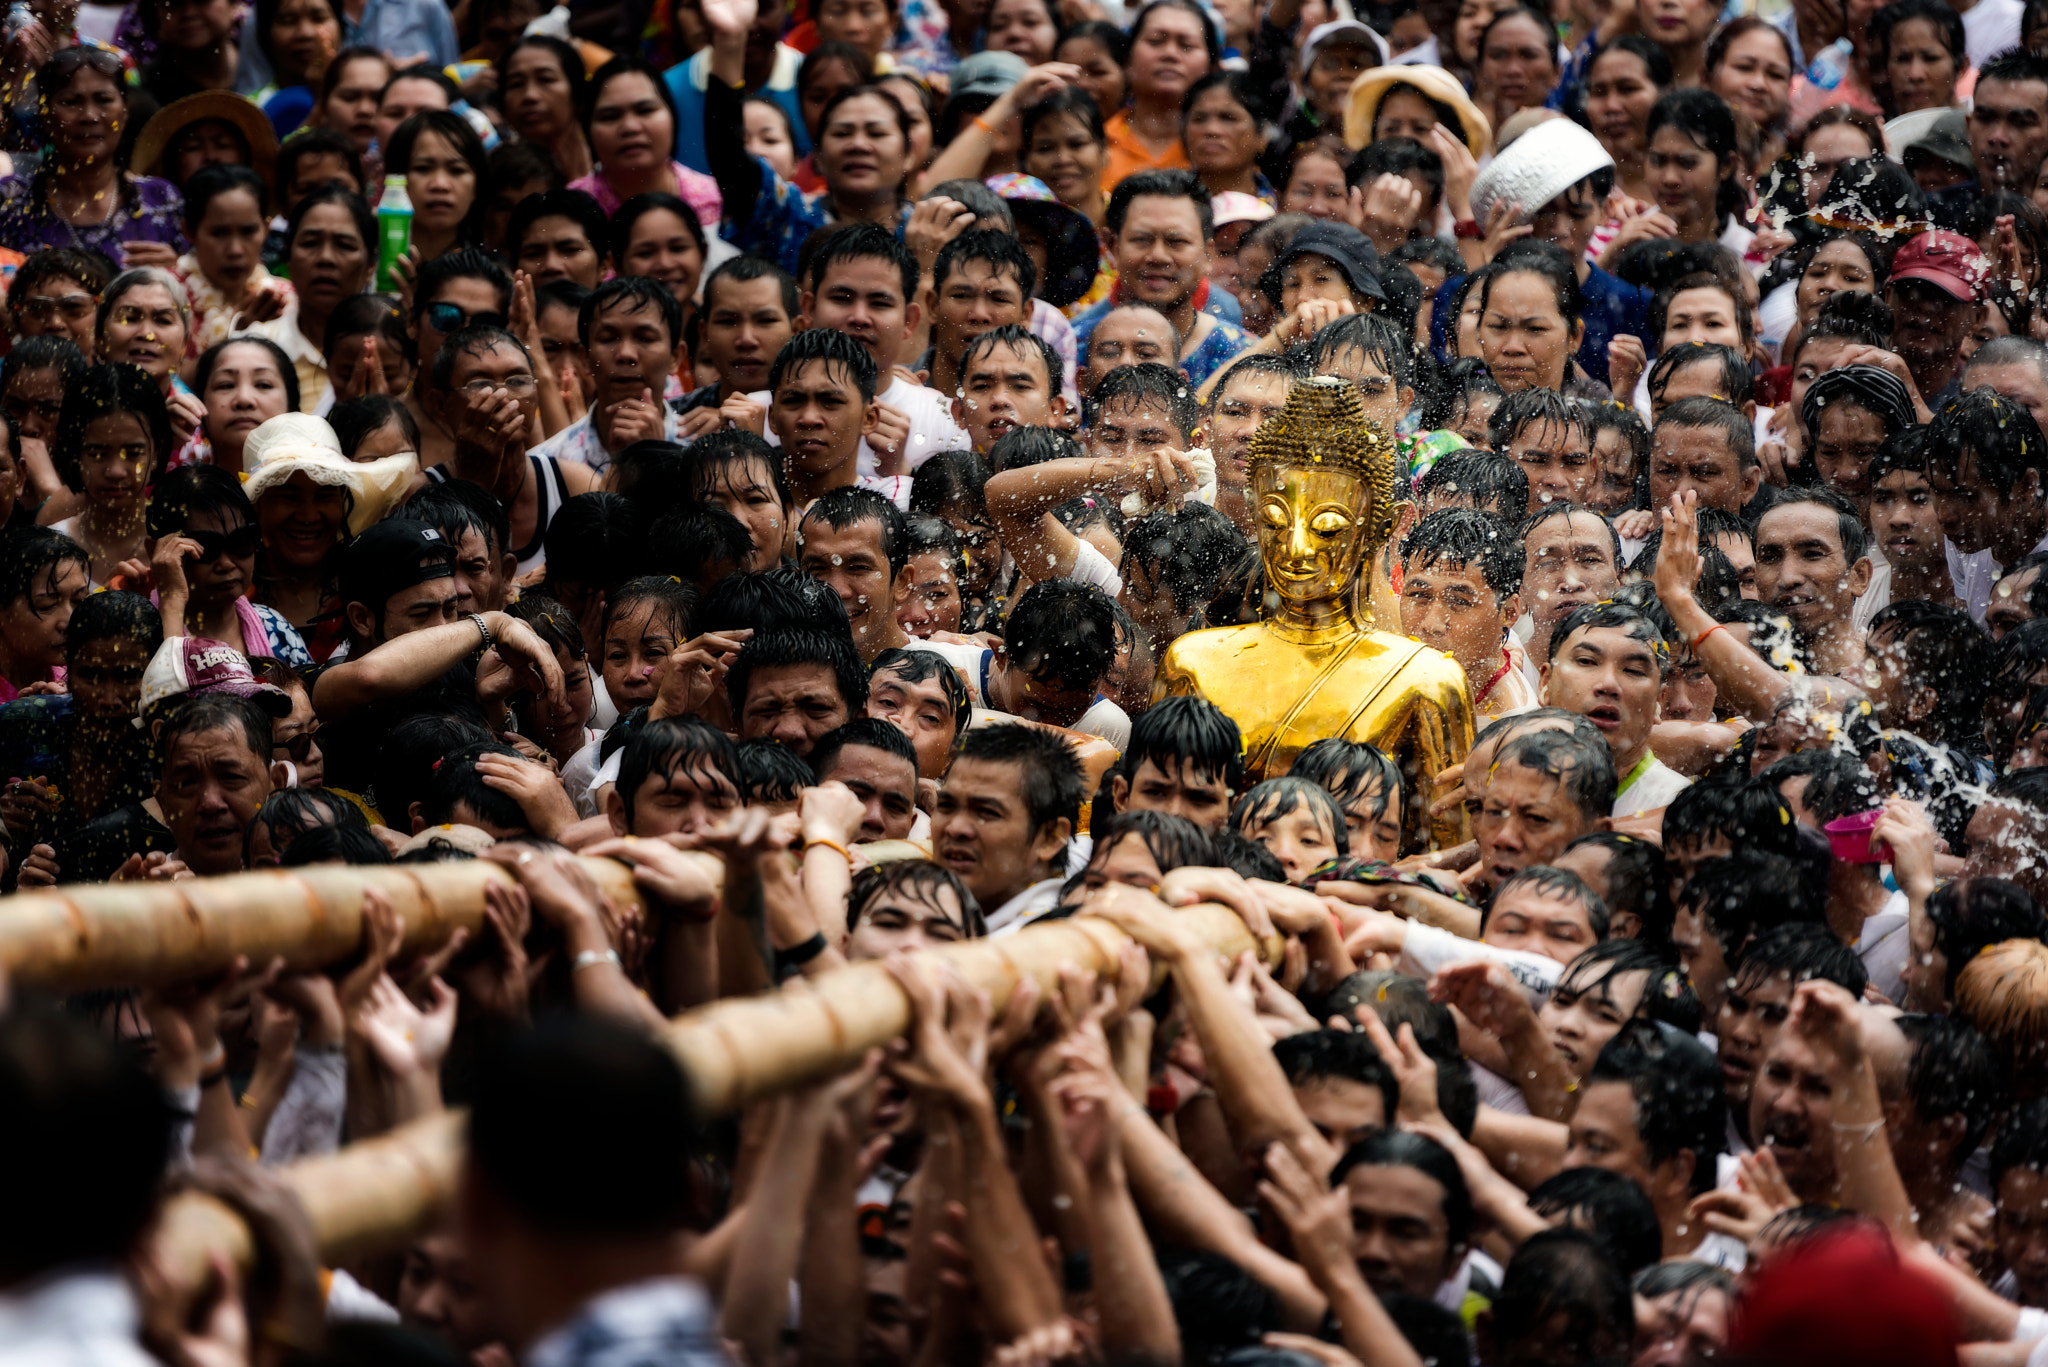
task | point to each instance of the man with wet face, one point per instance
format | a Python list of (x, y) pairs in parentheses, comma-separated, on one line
[(1811, 566), (877, 764), (676, 777), (855, 543), (917, 692), (1185, 759), (1460, 592), (1006, 812), (1651, 1109), (2008, 121), (1545, 789), (1411, 1212), (1340, 1082), (1549, 437), (1989, 470), (909, 905), (824, 386), (793, 684), (1607, 663), (862, 281), (1757, 999), (1253, 390), (1570, 558), (981, 281), (1129, 334), (1819, 1078), (475, 524), (2013, 597), (1936, 280), (215, 755), (1009, 378), (1708, 447)]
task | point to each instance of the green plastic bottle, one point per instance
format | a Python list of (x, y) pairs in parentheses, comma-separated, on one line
[(394, 231)]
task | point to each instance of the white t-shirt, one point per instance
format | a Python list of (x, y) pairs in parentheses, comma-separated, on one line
[(1425, 949), (1884, 945), (1092, 567), (972, 664), (932, 428), (1654, 787), (1990, 27)]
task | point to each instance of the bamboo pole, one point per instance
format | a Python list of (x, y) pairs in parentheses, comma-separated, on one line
[(75, 937), (741, 1050)]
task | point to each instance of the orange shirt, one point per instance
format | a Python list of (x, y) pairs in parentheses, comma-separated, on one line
[(1128, 154)]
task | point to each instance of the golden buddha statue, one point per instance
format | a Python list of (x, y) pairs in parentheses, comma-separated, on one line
[(1322, 496)]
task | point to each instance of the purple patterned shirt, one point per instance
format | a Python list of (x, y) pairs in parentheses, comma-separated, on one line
[(149, 212)]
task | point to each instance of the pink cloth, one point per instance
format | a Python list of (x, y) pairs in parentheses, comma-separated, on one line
[(694, 188)]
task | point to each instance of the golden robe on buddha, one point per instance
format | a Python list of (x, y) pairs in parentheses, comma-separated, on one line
[(1322, 496)]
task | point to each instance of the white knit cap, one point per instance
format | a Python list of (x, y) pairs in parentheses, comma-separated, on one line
[(1538, 167)]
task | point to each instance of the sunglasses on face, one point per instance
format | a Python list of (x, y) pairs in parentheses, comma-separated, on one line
[(448, 318), (42, 308), (239, 543), (299, 745)]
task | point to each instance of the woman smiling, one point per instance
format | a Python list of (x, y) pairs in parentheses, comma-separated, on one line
[(78, 195), (203, 558)]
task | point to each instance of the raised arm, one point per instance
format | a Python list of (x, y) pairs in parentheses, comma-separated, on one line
[(737, 172), (410, 662), (1740, 674), (1020, 501)]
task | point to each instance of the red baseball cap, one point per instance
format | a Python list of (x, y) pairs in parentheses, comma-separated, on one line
[(1942, 258)]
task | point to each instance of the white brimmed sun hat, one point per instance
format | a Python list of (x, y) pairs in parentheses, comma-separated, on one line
[(297, 443)]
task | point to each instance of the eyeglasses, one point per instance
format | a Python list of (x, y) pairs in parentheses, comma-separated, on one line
[(134, 315), (519, 386), (42, 307), (448, 318), (239, 543), (299, 745)]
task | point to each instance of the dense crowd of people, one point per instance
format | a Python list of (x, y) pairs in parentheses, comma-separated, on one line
[(1539, 514)]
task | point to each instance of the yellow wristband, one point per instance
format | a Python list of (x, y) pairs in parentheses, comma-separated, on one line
[(844, 853), (984, 125)]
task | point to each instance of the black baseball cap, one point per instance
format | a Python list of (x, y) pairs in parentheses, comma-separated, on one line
[(391, 557), (1349, 248)]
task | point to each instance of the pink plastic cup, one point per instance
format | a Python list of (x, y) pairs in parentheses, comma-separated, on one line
[(1849, 838)]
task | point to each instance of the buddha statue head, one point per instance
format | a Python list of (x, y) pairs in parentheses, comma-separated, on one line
[(1322, 493)]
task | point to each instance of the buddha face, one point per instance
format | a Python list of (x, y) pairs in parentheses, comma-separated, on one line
[(1312, 528)]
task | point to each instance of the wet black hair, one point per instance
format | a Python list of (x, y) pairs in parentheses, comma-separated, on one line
[(1312, 1055), (845, 508), (1496, 484), (742, 269), (190, 490), (1749, 814), (769, 771), (1190, 731), (1063, 631), (1969, 915), (871, 732), (837, 350), (1998, 433), (1148, 382), (801, 645), (1680, 1100), (1174, 842), (770, 598), (1001, 251), (1583, 769), (1023, 341), (355, 420), (1177, 184), (1637, 881), (1529, 407), (1944, 650), (1277, 797), (1953, 1071), (858, 242), (1612, 1208), (1406, 1149), (921, 880), (915, 665), (1552, 883), (1743, 894), (636, 292), (1803, 951), (1369, 333), (1464, 536), (1563, 1291), (1737, 387), (1049, 777), (670, 744)]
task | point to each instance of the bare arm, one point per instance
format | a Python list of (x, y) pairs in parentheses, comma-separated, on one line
[(1020, 502), (1741, 675)]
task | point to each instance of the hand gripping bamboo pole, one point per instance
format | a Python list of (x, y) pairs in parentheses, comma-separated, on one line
[(75, 937), (375, 1196), (743, 1049)]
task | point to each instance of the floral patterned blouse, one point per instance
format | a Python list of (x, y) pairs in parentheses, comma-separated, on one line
[(212, 319), (150, 211)]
